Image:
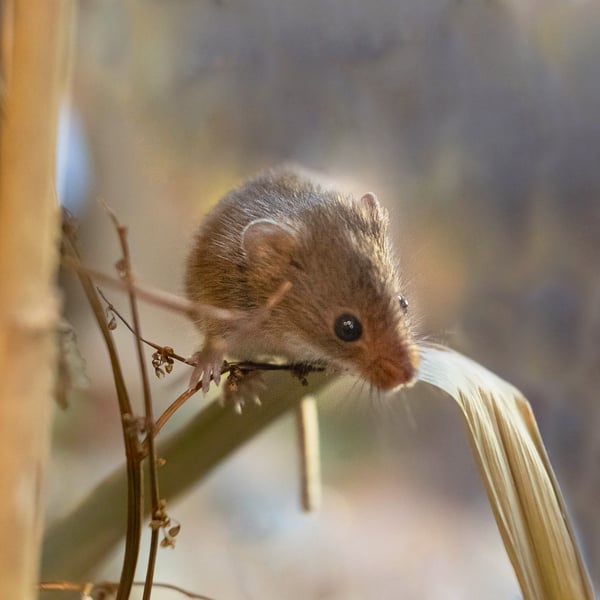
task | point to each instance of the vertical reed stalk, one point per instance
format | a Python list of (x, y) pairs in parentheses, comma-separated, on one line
[(34, 71)]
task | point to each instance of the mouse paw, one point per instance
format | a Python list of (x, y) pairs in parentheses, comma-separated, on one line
[(208, 364), (242, 388)]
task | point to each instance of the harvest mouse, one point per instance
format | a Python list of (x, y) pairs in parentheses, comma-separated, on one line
[(344, 307)]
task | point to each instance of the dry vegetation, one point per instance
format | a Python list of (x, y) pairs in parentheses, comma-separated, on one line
[(478, 110)]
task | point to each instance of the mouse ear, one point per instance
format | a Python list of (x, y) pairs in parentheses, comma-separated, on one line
[(266, 239), (374, 211)]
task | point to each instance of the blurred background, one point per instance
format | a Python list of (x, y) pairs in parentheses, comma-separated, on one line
[(477, 123)]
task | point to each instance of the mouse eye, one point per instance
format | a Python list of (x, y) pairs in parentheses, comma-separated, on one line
[(403, 302), (347, 327)]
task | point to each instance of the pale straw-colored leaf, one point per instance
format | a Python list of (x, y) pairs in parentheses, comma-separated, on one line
[(521, 486)]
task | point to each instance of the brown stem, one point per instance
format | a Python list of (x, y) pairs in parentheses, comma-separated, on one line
[(134, 472), (157, 510)]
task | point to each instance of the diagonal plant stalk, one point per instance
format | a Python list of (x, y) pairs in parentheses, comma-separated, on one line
[(76, 544)]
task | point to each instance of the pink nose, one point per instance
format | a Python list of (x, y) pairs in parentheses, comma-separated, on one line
[(389, 372)]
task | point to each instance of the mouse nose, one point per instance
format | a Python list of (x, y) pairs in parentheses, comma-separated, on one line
[(395, 369)]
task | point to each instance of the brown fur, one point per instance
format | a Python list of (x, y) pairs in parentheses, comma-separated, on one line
[(336, 253)]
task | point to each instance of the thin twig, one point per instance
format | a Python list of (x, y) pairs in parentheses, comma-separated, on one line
[(176, 588), (111, 587), (110, 306), (159, 297), (246, 366), (173, 407), (158, 514), (194, 310), (300, 371)]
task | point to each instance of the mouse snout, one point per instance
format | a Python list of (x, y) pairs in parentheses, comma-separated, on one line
[(394, 369)]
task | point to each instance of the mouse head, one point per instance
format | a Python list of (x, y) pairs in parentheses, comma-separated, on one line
[(345, 306)]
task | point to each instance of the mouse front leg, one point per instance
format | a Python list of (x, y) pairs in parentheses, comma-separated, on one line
[(208, 364)]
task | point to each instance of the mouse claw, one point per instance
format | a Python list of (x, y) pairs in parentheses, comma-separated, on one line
[(242, 389), (208, 365)]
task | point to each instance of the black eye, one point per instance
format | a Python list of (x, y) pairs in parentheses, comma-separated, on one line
[(403, 302), (347, 327)]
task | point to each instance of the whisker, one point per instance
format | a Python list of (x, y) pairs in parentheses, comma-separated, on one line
[(355, 394)]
